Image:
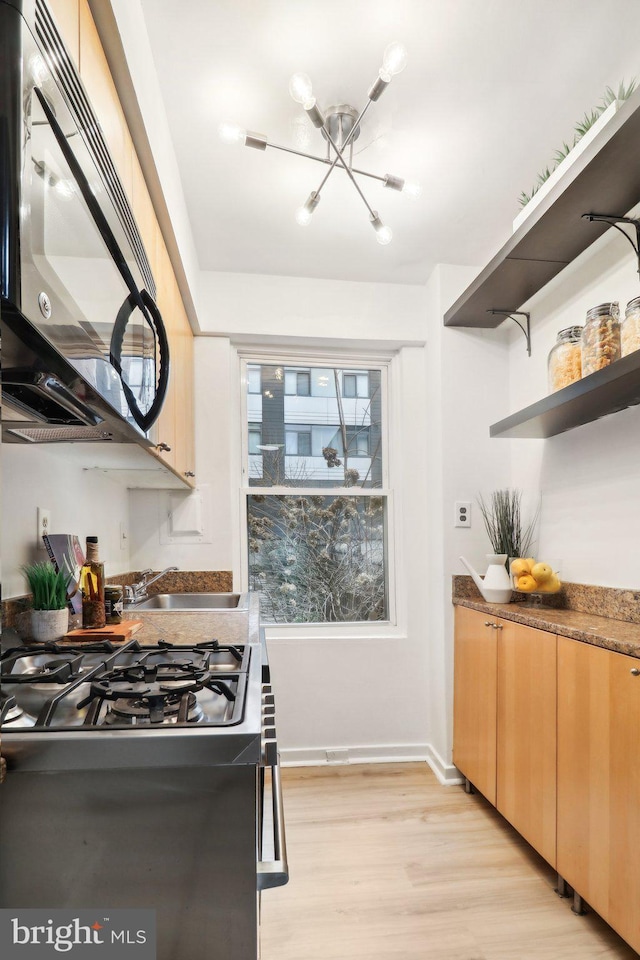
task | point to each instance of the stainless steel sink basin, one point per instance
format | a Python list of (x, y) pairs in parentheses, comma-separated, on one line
[(185, 602)]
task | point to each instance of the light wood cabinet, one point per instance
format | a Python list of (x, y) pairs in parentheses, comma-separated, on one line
[(526, 733), (66, 14), (599, 781), (475, 699), (96, 77), (174, 430)]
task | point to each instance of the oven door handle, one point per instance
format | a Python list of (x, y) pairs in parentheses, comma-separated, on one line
[(275, 873)]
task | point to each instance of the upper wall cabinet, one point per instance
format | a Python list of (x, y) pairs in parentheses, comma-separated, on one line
[(95, 74), (604, 179), (174, 429)]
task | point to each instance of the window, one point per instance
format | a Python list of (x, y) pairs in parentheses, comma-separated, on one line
[(316, 498), (297, 382), (355, 385), (298, 440), (254, 382), (255, 437)]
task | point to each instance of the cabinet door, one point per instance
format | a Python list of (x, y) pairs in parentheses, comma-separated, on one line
[(96, 76), (526, 753), (165, 428), (66, 14), (599, 781), (474, 699), (185, 442)]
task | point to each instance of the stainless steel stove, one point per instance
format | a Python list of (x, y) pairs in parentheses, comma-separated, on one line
[(70, 687), (136, 777)]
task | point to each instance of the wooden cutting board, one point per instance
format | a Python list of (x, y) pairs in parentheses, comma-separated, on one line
[(115, 632)]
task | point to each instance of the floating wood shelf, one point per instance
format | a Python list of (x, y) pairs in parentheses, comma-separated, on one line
[(604, 179), (599, 394)]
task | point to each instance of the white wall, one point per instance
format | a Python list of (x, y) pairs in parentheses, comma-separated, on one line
[(467, 390), (215, 461), (84, 502), (261, 308), (362, 690), (589, 478)]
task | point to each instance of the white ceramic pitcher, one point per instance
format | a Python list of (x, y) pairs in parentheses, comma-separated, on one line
[(496, 586)]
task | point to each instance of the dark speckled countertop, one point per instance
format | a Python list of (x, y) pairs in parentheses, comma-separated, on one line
[(569, 614)]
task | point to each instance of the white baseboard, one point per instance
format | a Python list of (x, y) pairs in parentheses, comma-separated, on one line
[(447, 774)]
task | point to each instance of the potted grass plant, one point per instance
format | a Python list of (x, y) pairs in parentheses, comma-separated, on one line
[(507, 531), (49, 614)]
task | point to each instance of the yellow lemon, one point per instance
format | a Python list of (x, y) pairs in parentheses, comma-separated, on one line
[(541, 572), (532, 562), (552, 585), (520, 567), (527, 583)]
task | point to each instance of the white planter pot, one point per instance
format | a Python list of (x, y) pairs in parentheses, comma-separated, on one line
[(49, 625)]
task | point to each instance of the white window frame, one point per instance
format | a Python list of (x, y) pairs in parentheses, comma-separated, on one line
[(347, 629)]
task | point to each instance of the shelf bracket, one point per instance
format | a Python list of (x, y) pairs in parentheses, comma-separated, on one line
[(613, 220), (512, 314)]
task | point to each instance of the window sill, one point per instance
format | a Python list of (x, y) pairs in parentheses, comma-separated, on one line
[(375, 630)]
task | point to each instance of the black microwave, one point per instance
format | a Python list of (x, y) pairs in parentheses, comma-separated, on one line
[(84, 348)]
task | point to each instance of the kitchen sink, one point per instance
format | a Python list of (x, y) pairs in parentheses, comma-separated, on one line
[(185, 602)]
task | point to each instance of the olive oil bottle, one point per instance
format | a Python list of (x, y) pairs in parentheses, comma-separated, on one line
[(92, 586)]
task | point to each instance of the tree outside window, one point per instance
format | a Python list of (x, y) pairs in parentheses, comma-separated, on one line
[(317, 550)]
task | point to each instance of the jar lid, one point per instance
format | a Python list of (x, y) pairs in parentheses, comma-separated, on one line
[(92, 539), (611, 309), (633, 305), (570, 333)]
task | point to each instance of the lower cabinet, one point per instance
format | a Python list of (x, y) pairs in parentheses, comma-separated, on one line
[(504, 720), (599, 781), (474, 700), (548, 730), (526, 733)]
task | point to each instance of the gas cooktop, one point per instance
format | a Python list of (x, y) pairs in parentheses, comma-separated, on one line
[(100, 685)]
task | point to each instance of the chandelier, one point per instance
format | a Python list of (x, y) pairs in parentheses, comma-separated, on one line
[(340, 127)]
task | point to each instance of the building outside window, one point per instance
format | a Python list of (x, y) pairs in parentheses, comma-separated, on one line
[(316, 492), (255, 438)]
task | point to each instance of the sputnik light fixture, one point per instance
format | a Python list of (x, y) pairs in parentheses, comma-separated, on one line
[(340, 127)]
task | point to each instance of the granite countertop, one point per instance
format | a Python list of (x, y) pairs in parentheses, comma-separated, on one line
[(577, 623)]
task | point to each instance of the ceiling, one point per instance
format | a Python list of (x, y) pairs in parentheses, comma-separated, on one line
[(492, 88)]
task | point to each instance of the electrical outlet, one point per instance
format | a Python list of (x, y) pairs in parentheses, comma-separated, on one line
[(44, 525), (463, 514)]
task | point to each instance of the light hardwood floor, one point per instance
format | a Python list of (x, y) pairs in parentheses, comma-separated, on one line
[(386, 864)]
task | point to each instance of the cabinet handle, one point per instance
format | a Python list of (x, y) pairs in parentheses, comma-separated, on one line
[(189, 473), (488, 623), (635, 672), (163, 446), (497, 626)]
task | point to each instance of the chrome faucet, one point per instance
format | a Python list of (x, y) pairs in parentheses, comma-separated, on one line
[(138, 591)]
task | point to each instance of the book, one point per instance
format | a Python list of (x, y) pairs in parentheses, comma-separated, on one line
[(66, 555)]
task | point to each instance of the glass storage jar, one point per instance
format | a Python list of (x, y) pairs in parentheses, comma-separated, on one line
[(600, 337), (564, 364), (630, 329)]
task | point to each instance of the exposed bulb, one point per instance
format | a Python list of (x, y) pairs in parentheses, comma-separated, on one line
[(300, 88), (412, 190), (231, 133), (394, 59), (384, 235), (303, 216), (305, 212)]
